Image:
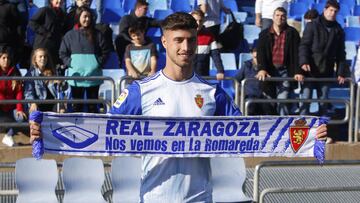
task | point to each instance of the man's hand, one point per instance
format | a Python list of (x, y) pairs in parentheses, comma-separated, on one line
[(299, 77), (33, 107), (258, 20), (220, 76), (341, 80), (21, 114), (306, 67), (261, 75), (35, 131), (321, 132)]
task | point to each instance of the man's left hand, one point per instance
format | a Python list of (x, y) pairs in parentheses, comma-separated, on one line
[(220, 76), (321, 132)]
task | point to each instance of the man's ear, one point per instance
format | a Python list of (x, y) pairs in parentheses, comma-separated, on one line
[(163, 41)]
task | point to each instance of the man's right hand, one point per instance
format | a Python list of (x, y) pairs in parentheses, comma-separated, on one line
[(261, 75), (306, 67), (35, 131), (258, 20)]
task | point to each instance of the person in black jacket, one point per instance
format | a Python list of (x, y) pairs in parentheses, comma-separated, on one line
[(278, 57), (322, 46), (48, 25), (135, 17)]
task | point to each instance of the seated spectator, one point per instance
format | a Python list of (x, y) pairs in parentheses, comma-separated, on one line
[(9, 89), (41, 65), (84, 51), (310, 15), (253, 89), (49, 27), (207, 47), (140, 56)]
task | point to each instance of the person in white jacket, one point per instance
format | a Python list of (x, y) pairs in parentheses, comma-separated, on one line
[(264, 10)]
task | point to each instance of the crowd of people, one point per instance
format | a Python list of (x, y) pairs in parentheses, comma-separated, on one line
[(77, 41)]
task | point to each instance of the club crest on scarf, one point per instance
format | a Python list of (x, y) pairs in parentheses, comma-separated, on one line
[(298, 134), (199, 101)]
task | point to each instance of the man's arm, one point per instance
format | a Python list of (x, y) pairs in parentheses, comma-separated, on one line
[(124, 27), (305, 47), (258, 7), (341, 59)]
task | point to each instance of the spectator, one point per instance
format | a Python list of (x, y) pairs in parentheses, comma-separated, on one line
[(22, 7), (70, 17), (10, 27), (41, 65), (253, 88), (136, 16), (140, 56), (84, 51), (212, 9), (207, 47), (322, 46), (278, 56), (9, 89), (264, 10), (48, 25), (311, 15)]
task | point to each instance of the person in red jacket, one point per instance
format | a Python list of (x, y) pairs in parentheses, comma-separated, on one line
[(9, 89)]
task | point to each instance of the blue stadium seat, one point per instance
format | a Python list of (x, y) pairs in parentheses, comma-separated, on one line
[(322, 1), (339, 93), (106, 88), (112, 15), (351, 51), (244, 57), (161, 60), (344, 10), (349, 3), (154, 32), (251, 33), (128, 5), (232, 5), (297, 10), (352, 34), (341, 20), (112, 61), (157, 5), (36, 180), (356, 11), (162, 14), (112, 4), (239, 16), (308, 3), (228, 177), (183, 6), (353, 21), (126, 179), (83, 179), (228, 60), (319, 7), (39, 3)]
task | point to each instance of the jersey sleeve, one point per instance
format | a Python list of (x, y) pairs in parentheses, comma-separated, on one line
[(129, 101), (225, 106)]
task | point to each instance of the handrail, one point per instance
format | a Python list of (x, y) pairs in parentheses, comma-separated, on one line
[(357, 112), (293, 164)]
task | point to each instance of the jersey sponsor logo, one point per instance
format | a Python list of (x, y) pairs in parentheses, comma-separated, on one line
[(159, 101), (298, 134), (199, 101), (121, 98)]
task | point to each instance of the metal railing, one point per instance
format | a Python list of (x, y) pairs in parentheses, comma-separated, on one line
[(259, 167), (357, 113)]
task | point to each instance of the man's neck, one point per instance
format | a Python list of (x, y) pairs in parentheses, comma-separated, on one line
[(177, 73), (278, 29)]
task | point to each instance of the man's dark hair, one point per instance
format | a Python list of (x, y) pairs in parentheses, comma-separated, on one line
[(311, 14), (179, 21), (137, 27), (332, 3), (254, 49), (281, 9), (141, 3)]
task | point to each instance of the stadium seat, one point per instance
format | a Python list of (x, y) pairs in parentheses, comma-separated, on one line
[(319, 7), (353, 21), (36, 180), (244, 57), (228, 177), (344, 10), (128, 5), (83, 179), (157, 5), (308, 3), (39, 3), (239, 16), (350, 48), (341, 20), (349, 3), (183, 5), (154, 32), (322, 1), (112, 4), (126, 177), (232, 5), (251, 33), (112, 15), (339, 93), (162, 14), (105, 88), (228, 60), (112, 61), (356, 11), (352, 34), (297, 10)]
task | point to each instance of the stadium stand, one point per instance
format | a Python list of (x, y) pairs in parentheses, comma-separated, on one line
[(184, 5), (231, 4), (161, 14), (128, 5), (349, 3), (251, 33), (244, 57), (318, 6), (352, 21), (352, 34), (356, 11), (113, 15), (31, 182), (157, 5), (297, 10)]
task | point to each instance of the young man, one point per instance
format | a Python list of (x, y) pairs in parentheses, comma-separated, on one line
[(140, 56), (278, 56), (322, 46), (172, 92), (207, 47)]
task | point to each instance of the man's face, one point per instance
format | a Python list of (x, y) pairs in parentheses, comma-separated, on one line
[(199, 21), (279, 18), (56, 3), (180, 46), (80, 3), (330, 13), (142, 10), (4, 61)]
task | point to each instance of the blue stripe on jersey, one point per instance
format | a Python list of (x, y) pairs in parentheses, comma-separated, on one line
[(204, 81), (224, 104), (147, 79), (132, 104)]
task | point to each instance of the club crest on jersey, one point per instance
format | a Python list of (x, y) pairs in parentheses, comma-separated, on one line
[(199, 101), (121, 98), (298, 134)]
